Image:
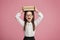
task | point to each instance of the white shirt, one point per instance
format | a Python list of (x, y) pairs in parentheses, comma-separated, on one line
[(29, 27)]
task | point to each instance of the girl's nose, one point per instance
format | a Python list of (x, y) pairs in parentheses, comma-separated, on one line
[(28, 15)]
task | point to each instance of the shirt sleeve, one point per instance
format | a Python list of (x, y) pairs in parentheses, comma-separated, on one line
[(39, 19), (19, 19)]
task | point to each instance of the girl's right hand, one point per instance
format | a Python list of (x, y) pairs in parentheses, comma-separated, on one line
[(21, 11)]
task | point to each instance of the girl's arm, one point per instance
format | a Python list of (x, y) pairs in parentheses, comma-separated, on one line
[(19, 19), (40, 17)]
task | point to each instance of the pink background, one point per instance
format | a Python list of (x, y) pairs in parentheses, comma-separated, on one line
[(49, 28)]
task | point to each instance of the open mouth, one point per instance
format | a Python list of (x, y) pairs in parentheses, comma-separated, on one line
[(29, 18)]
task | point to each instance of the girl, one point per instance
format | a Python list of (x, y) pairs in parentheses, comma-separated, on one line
[(29, 24)]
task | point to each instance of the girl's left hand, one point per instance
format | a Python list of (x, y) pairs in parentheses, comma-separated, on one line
[(36, 10)]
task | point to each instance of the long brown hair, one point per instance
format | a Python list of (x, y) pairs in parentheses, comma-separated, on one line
[(26, 19)]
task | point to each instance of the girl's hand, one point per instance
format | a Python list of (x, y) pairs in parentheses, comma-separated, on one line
[(36, 10), (21, 11)]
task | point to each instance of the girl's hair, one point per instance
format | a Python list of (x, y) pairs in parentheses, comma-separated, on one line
[(25, 12)]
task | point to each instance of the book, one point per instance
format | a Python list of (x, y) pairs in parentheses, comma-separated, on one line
[(28, 8)]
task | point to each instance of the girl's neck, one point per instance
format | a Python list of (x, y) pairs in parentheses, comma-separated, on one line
[(29, 22)]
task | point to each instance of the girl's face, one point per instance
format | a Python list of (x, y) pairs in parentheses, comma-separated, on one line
[(29, 16)]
